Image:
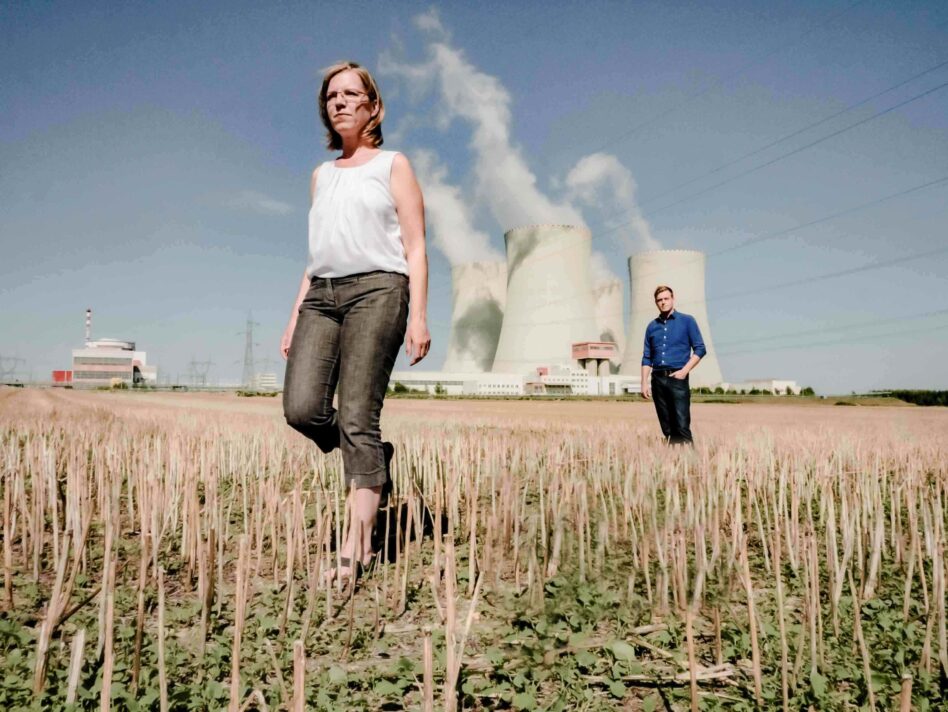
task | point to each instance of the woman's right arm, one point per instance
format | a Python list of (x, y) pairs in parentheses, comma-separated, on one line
[(291, 326), (301, 294)]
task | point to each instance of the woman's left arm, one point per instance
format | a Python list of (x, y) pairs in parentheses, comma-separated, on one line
[(410, 207)]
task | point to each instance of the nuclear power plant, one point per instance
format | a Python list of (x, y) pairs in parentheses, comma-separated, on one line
[(537, 324)]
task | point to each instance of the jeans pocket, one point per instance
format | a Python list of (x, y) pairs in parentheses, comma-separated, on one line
[(315, 297)]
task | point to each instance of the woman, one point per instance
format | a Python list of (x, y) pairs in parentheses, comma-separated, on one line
[(367, 279)]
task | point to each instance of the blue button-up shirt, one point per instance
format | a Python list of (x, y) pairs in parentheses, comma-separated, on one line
[(670, 341)]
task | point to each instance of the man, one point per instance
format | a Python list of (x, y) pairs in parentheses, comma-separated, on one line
[(673, 347)]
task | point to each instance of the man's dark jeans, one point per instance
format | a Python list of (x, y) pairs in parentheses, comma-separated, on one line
[(347, 336), (672, 399)]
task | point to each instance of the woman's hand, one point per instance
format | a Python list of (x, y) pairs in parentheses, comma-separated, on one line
[(417, 340), (287, 339)]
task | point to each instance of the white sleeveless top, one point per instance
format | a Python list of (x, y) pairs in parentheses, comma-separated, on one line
[(353, 226)]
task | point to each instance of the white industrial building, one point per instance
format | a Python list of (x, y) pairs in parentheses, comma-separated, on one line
[(776, 386), (575, 380), (545, 381), (264, 382), (460, 383), (105, 362), (108, 362)]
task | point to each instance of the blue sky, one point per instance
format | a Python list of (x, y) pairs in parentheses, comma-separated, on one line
[(154, 163)]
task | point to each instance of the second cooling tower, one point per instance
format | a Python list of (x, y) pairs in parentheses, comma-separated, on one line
[(478, 293), (683, 271), (549, 297)]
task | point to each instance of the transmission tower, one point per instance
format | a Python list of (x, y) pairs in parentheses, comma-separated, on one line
[(247, 378), (197, 372), (265, 364), (8, 367)]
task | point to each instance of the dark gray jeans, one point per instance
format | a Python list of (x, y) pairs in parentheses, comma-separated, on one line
[(347, 337), (672, 399)]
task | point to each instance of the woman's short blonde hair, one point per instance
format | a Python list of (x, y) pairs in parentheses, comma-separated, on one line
[(373, 129)]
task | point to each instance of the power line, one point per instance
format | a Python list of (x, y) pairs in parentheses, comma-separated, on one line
[(837, 328), (830, 275), (818, 221), (795, 151), (826, 218), (782, 156), (728, 164), (785, 231), (736, 73), (854, 339), (786, 137), (783, 285)]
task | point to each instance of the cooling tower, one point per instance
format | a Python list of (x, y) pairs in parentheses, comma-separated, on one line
[(683, 271), (607, 301), (549, 297), (479, 291)]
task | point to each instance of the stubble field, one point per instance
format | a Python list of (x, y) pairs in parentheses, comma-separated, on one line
[(168, 551)]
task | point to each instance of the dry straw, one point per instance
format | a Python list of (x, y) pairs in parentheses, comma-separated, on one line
[(788, 528)]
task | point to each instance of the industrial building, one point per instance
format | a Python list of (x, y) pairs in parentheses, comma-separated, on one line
[(775, 386), (106, 362), (544, 381), (458, 383), (537, 325), (264, 382)]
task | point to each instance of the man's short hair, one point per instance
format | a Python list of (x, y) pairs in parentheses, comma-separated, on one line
[(663, 288)]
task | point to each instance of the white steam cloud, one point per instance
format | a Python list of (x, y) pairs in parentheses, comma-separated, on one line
[(449, 214), (601, 181), (503, 183)]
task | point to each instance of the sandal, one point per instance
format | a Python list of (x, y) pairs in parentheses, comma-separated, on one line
[(361, 568)]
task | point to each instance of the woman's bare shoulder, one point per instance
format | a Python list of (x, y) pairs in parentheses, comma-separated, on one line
[(400, 160), (401, 168)]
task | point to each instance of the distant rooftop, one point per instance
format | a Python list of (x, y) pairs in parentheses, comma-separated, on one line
[(111, 344)]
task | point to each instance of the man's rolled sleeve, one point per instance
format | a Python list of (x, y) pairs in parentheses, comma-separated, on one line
[(694, 336), (647, 351)]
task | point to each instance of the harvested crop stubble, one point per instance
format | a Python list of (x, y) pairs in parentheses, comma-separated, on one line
[(176, 545)]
